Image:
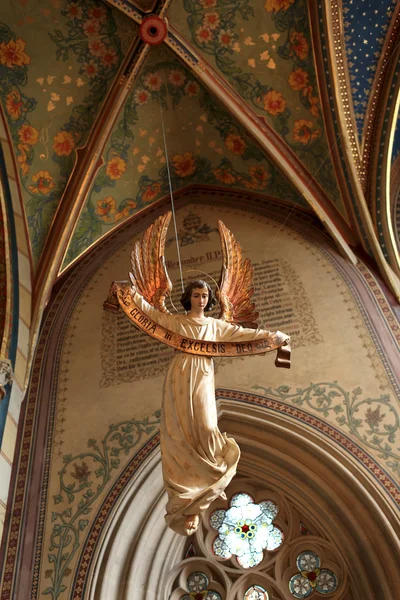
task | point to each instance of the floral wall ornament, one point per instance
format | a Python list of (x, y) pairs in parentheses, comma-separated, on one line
[(82, 479), (311, 577), (373, 429), (245, 530)]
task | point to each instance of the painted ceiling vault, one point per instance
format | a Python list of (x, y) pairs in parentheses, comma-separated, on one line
[(259, 96)]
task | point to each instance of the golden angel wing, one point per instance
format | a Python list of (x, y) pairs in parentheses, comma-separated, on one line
[(236, 282), (149, 274)]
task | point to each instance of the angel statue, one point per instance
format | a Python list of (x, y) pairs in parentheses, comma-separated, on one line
[(198, 461)]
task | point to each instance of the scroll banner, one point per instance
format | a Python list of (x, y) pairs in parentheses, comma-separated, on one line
[(120, 295)]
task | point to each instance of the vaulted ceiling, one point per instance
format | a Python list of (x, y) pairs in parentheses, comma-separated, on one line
[(286, 99)]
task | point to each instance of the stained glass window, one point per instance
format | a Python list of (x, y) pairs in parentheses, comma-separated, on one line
[(197, 586), (256, 592), (311, 577), (245, 530)]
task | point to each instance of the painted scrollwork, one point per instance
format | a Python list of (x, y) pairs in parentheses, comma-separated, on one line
[(83, 479), (375, 422)]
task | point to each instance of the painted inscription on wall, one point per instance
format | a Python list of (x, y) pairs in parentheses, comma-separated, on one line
[(128, 354)]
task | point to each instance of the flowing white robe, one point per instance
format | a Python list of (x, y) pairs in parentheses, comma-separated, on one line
[(198, 460)]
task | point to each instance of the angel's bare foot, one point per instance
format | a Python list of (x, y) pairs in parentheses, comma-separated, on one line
[(192, 522), (223, 496)]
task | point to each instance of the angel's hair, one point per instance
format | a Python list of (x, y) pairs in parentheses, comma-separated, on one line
[(187, 294)]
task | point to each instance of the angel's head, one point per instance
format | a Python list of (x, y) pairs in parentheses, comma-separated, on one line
[(196, 288)]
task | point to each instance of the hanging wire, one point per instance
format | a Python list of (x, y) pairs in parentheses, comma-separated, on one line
[(203, 273), (286, 218), (170, 193)]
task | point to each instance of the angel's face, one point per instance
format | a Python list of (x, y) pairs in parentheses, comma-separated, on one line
[(199, 298)]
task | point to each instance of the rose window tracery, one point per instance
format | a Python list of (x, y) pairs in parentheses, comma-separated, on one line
[(311, 577), (256, 592), (257, 545), (197, 586), (245, 530)]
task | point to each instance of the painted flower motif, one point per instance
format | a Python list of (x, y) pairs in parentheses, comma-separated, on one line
[(97, 48), (259, 177), (43, 183), (91, 27), (90, 69), (211, 20), (63, 143), (192, 88), (22, 159), (203, 35), (13, 54), (226, 38), (151, 192), (81, 472), (109, 57), (304, 132), (141, 96), (225, 176), (74, 11), (176, 77), (208, 3), (127, 211), (116, 167), (106, 208), (299, 45), (97, 13), (298, 79), (153, 81), (277, 5), (312, 100), (374, 417), (28, 134), (245, 530), (184, 164), (235, 143), (14, 105), (274, 103)]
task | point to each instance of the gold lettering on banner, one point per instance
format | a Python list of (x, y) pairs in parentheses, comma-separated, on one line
[(127, 355), (274, 341)]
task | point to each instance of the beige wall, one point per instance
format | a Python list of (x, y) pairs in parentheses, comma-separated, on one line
[(334, 346)]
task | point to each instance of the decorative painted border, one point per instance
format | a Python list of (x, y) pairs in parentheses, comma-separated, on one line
[(380, 193), (82, 271), (80, 580), (331, 84), (378, 86), (343, 81)]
